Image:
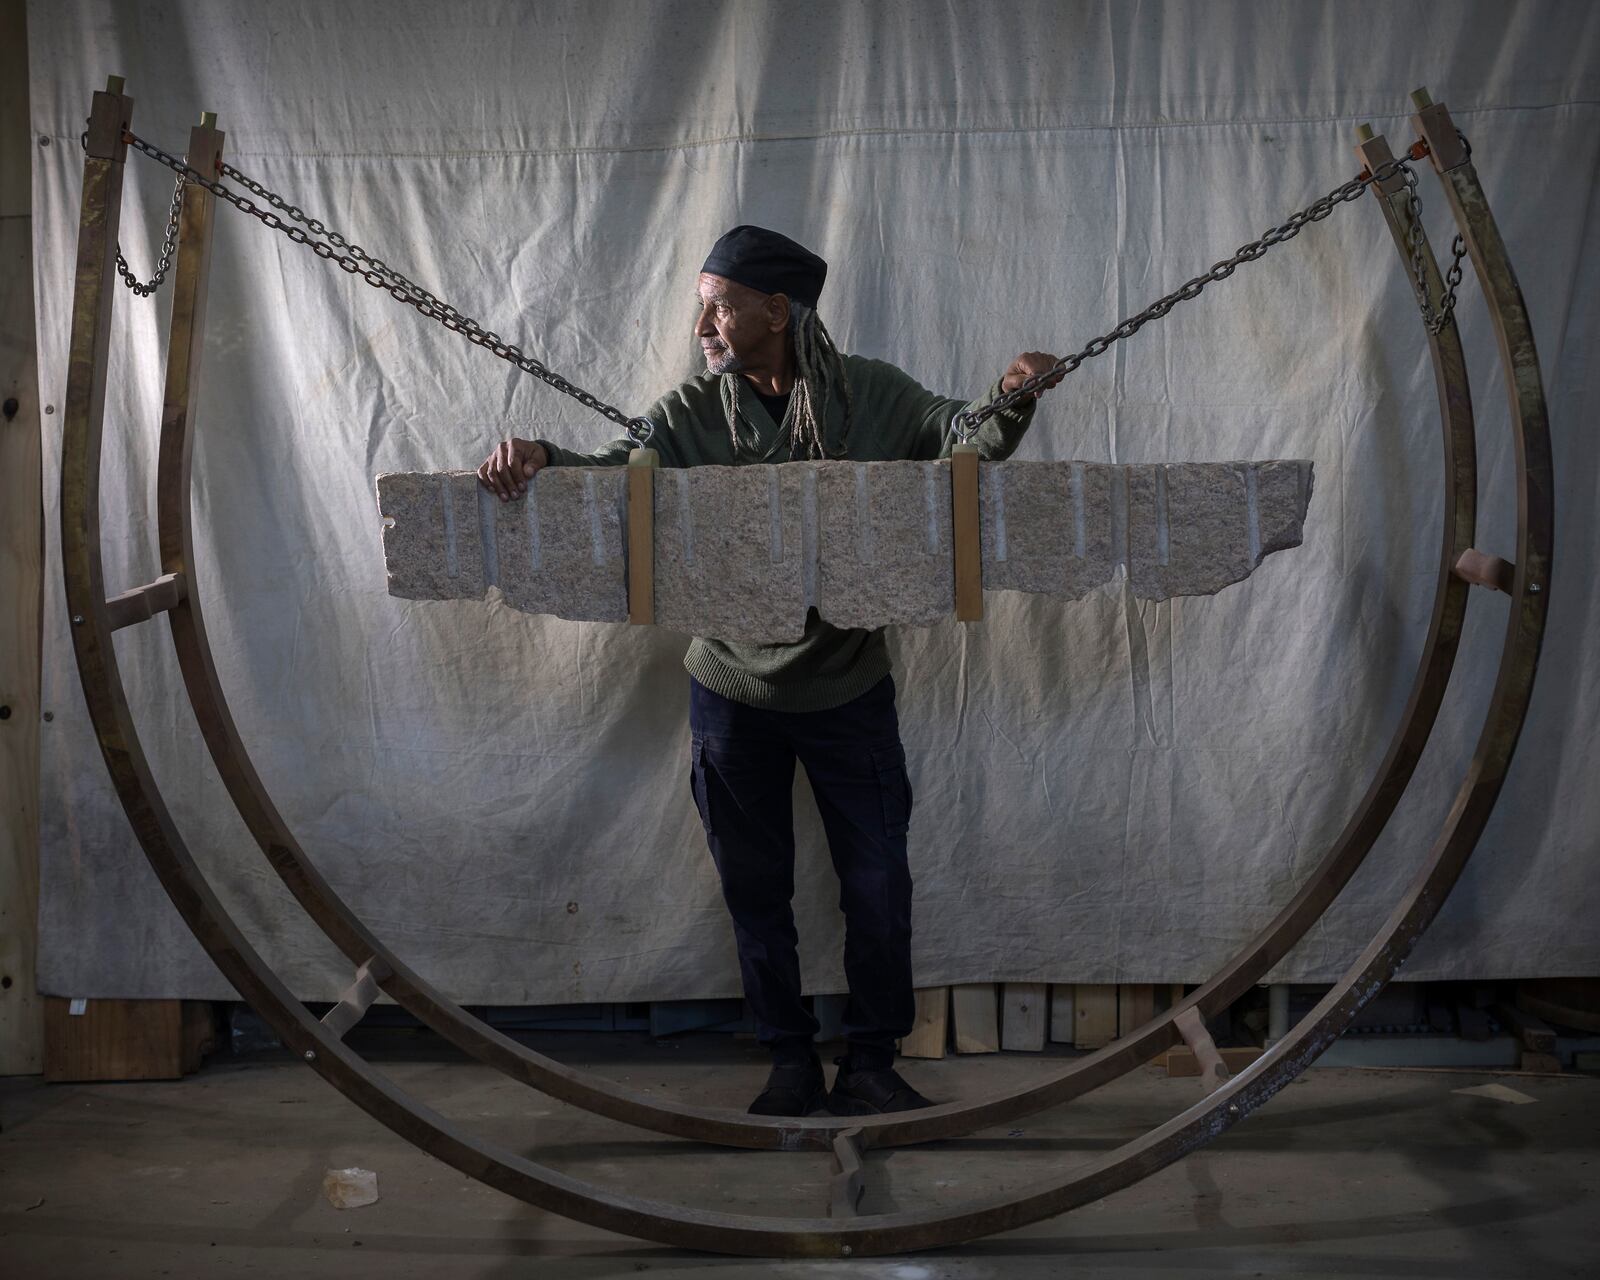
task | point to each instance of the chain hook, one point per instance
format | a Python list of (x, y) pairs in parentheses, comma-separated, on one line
[(964, 425), (640, 430)]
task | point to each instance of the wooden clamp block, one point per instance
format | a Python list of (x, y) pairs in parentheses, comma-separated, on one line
[(965, 532), (642, 536), (1433, 122), (1373, 150)]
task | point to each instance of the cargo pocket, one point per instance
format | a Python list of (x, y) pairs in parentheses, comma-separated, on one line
[(894, 789)]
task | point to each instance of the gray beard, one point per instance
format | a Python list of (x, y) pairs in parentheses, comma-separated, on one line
[(723, 361)]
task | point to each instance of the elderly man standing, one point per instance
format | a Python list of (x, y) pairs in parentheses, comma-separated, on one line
[(777, 389)]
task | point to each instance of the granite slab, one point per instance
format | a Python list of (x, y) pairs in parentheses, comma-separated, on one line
[(743, 553)]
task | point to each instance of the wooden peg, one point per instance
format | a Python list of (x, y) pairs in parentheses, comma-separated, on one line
[(966, 532), (1420, 98), (208, 119), (642, 465), (114, 84), (1483, 570)]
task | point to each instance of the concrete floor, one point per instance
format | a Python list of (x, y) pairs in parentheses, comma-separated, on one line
[(1346, 1173)]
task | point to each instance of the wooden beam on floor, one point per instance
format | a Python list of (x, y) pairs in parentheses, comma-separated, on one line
[(1025, 1015), (1096, 1007), (21, 566), (1136, 1005), (975, 1012), (125, 1039), (930, 1034), (1062, 1028)]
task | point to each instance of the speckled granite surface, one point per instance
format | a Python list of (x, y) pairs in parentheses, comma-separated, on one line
[(742, 552)]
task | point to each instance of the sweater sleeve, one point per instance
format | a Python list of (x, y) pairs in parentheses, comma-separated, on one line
[(923, 418), (612, 454)]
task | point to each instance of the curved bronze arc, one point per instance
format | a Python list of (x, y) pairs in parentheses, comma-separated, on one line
[(335, 918), (896, 1232)]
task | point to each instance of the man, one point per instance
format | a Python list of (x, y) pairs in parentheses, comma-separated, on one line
[(777, 389)]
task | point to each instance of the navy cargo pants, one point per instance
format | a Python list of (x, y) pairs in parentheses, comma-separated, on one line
[(743, 779)]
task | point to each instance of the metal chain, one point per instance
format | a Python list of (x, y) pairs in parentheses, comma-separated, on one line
[(354, 260), (1434, 320), (169, 246), (966, 423)]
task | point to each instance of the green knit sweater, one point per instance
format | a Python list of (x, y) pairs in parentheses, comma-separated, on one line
[(892, 418)]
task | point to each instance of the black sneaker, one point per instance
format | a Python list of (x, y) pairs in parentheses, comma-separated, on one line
[(793, 1089), (869, 1093)]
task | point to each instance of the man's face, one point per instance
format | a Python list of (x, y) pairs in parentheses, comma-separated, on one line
[(735, 322)]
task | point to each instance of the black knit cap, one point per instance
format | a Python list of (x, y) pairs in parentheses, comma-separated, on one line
[(769, 263)]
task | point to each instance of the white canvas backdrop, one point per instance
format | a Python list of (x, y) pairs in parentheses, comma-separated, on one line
[(1106, 791)]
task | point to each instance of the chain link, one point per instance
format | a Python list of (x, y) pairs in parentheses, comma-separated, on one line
[(169, 246), (966, 423), (354, 260), (1435, 320), (351, 258)]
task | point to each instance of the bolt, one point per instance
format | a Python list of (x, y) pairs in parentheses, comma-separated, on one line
[(43, 141), (1233, 1108), (311, 1055), (10, 407), (49, 716), (49, 408), (5, 983), (77, 619), (572, 908), (846, 1250), (1533, 588), (5, 713)]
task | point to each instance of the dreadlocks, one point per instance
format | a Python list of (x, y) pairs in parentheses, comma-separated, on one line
[(818, 372)]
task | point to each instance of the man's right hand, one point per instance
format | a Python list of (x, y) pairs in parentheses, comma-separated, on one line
[(508, 469)]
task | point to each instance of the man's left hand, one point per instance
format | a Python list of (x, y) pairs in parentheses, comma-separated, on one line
[(1028, 365)]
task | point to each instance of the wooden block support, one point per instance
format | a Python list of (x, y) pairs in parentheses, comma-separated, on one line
[(357, 998), (143, 603), (931, 1031), (1537, 1035), (965, 532), (642, 536), (21, 567), (1484, 570), (848, 1183), (1212, 1067), (1063, 1028), (1026, 1015), (1136, 1005), (1096, 1007), (975, 1011), (125, 1039)]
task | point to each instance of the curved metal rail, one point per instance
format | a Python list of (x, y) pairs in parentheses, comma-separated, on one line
[(321, 1043)]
